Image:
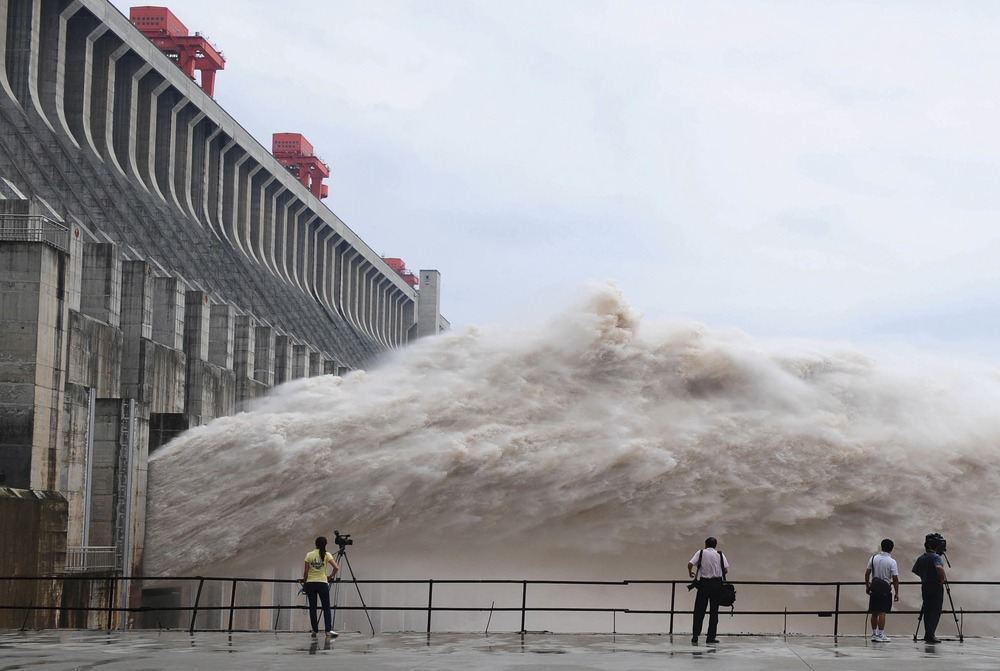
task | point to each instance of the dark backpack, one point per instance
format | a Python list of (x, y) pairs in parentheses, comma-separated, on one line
[(727, 595)]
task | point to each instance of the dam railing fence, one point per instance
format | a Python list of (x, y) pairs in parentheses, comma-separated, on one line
[(106, 607), (34, 228)]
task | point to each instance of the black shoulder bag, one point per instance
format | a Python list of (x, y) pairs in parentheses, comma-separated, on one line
[(878, 586), (727, 595)]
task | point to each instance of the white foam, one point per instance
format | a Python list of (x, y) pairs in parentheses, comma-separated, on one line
[(590, 439)]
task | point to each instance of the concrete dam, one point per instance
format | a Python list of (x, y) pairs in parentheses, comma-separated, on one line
[(159, 268)]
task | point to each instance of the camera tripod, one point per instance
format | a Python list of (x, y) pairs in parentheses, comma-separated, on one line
[(342, 557), (951, 602)]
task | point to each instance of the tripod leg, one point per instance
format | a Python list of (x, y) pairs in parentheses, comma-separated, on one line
[(919, 618), (947, 588), (336, 596), (361, 598)]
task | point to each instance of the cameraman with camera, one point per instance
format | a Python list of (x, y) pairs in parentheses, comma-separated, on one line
[(930, 567)]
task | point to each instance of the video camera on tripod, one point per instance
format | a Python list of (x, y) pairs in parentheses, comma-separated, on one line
[(342, 540), (935, 542)]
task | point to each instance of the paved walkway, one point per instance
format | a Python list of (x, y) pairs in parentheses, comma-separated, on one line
[(149, 651)]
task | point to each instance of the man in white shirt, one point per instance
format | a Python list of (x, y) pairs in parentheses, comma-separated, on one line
[(707, 567), (881, 571)]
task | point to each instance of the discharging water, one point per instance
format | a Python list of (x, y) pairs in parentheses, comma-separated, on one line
[(595, 446)]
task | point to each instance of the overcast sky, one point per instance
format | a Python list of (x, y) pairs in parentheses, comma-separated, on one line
[(788, 168)]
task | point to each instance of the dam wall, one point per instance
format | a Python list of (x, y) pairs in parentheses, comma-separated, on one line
[(159, 268)]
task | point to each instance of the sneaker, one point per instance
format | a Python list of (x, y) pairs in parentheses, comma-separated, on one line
[(694, 640), (932, 640), (314, 634), (883, 638), (711, 641), (875, 637), (332, 634)]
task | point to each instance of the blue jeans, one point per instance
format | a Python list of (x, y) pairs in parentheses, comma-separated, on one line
[(322, 589)]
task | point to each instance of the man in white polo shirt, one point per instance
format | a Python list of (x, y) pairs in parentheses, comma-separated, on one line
[(881, 580), (707, 567)]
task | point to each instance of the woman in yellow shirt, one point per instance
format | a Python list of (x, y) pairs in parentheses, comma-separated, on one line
[(317, 583)]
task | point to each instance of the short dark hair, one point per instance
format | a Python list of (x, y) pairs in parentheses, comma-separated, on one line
[(710, 542), (887, 545)]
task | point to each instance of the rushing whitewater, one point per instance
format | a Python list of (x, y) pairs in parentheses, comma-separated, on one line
[(592, 441)]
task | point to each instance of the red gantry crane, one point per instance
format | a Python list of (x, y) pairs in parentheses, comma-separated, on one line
[(400, 267), (190, 52), (296, 153)]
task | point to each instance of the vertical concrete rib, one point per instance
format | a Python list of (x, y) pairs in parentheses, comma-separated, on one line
[(303, 251), (282, 237), (192, 167), (159, 129), (339, 255), (350, 286), (172, 157), (76, 65), (294, 245), (44, 37), (248, 214), (94, 104), (235, 195), (21, 37), (50, 60), (138, 122), (380, 309), (397, 308), (58, 104), (308, 256), (116, 120), (187, 121), (224, 188), (210, 186), (273, 208), (4, 81), (198, 130), (409, 317), (144, 128), (323, 278), (260, 199), (364, 296)]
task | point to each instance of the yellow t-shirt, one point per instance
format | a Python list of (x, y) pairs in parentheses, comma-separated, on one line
[(317, 566)]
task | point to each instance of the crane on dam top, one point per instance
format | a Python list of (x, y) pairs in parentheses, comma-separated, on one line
[(296, 153), (189, 52)]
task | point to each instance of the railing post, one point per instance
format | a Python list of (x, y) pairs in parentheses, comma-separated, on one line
[(430, 602), (112, 595), (232, 602), (673, 596), (524, 601), (197, 600), (836, 614), (27, 613)]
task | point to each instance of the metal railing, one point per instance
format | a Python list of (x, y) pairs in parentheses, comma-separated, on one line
[(91, 558), (524, 609), (34, 228)]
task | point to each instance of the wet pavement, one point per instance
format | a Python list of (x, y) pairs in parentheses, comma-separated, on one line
[(149, 651)]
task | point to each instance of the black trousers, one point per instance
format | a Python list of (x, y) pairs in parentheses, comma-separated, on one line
[(709, 591), (933, 595), (321, 590)]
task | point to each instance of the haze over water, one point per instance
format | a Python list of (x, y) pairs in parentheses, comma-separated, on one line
[(594, 446)]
